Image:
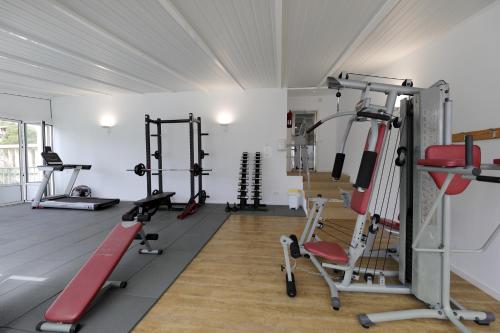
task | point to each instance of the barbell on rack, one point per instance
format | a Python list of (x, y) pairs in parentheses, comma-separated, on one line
[(140, 170)]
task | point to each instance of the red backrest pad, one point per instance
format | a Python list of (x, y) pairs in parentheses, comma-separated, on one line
[(70, 305), (452, 152), (359, 200)]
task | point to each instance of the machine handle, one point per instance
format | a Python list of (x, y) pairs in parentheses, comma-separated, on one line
[(469, 144), (338, 165), (488, 179), (313, 127)]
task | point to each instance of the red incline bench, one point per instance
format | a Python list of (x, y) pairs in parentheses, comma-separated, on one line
[(63, 315)]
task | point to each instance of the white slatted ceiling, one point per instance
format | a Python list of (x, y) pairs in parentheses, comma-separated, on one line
[(16, 47), (155, 33), (410, 25), (78, 47), (21, 83), (317, 32), (241, 33), (40, 20)]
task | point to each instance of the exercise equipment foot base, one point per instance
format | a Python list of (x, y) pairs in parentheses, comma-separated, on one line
[(335, 303), (155, 252), (365, 321), (291, 290), (490, 317), (57, 327)]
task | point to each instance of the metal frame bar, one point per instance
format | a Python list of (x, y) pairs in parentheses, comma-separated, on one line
[(191, 121)]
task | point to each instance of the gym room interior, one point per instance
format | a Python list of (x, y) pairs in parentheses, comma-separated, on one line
[(249, 166)]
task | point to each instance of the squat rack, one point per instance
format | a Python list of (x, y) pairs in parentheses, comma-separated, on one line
[(200, 195)]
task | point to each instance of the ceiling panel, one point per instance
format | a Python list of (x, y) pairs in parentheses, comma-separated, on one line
[(79, 47), (241, 33), (22, 83), (40, 20), (57, 75), (147, 26), (11, 46), (316, 32), (409, 26)]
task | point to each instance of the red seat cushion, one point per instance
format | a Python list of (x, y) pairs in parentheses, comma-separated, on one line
[(393, 225), (70, 305), (445, 163), (449, 156), (496, 161), (328, 250)]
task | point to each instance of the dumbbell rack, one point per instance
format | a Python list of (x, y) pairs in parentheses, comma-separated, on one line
[(246, 190), (257, 182)]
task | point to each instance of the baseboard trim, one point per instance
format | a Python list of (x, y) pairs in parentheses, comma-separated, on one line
[(476, 283)]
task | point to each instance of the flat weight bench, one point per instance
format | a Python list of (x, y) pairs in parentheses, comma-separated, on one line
[(63, 315)]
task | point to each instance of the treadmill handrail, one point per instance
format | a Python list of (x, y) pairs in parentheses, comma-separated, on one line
[(61, 167)]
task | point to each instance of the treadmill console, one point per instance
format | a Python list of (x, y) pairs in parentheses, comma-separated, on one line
[(51, 158)]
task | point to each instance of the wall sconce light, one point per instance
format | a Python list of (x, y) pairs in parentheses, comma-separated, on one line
[(225, 118), (107, 121)]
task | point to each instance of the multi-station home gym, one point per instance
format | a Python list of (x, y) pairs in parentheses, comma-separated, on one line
[(249, 166)]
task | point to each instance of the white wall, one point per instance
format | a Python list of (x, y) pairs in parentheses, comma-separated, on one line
[(468, 58), (259, 124), (24, 108)]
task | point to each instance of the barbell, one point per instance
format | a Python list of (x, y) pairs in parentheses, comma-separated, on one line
[(140, 170)]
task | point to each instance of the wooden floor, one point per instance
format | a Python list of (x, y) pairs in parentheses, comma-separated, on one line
[(235, 285)]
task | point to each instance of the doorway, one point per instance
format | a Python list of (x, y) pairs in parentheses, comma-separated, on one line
[(10, 162), (302, 147), (21, 145)]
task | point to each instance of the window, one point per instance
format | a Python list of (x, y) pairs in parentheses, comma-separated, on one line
[(10, 169), (34, 148)]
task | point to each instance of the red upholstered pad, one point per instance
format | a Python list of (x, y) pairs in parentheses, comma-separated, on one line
[(359, 200), (496, 161), (445, 163), (448, 156), (328, 250), (72, 302), (393, 225)]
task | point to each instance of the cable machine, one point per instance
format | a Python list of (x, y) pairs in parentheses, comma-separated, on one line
[(412, 202)]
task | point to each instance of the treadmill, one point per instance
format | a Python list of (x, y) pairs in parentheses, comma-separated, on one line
[(53, 163)]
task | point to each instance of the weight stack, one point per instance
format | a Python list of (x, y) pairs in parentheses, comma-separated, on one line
[(243, 184), (257, 180)]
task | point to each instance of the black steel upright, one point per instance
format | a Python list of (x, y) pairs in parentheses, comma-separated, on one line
[(201, 155), (191, 153), (158, 156), (148, 154)]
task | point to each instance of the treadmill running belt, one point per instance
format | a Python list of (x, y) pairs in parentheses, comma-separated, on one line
[(86, 200)]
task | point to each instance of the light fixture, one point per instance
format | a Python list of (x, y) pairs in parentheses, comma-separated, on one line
[(107, 121), (225, 118)]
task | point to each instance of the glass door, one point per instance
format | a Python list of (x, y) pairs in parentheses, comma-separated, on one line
[(10, 162), (37, 136)]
